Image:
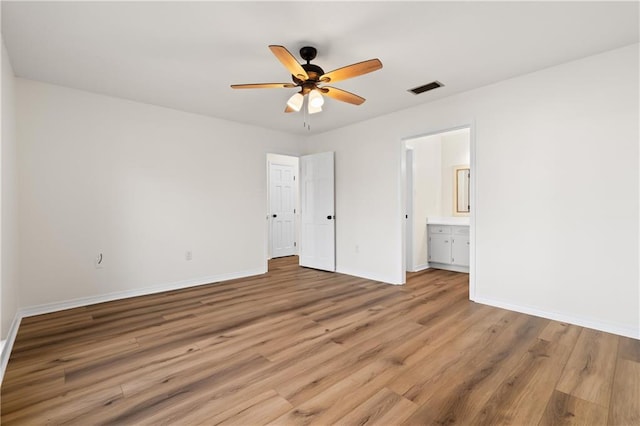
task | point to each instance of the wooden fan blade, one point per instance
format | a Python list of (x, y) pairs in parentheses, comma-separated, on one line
[(351, 71), (289, 61), (289, 109), (263, 86), (342, 95)]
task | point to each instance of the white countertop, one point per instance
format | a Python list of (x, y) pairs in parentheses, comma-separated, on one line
[(460, 221)]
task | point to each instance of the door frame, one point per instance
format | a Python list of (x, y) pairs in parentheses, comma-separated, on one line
[(275, 158), (409, 208), (472, 198)]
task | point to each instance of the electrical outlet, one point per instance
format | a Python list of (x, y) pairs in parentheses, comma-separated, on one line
[(99, 261), (188, 255)]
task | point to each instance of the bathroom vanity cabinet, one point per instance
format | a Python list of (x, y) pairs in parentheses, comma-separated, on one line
[(448, 245)]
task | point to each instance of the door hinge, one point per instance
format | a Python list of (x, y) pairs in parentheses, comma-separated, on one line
[(294, 210), (294, 243), (294, 178)]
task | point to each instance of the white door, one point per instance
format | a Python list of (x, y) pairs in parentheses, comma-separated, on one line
[(317, 210), (282, 202)]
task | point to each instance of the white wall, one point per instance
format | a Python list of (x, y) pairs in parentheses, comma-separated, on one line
[(367, 201), (140, 184), (556, 175), (9, 201)]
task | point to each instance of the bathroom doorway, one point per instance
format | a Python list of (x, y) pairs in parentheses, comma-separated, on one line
[(438, 186)]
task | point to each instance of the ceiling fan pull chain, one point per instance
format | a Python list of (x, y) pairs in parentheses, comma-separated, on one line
[(305, 113)]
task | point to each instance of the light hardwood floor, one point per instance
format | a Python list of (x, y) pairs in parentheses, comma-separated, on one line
[(299, 346)]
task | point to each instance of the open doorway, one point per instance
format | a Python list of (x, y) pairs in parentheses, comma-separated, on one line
[(282, 206), (438, 188)]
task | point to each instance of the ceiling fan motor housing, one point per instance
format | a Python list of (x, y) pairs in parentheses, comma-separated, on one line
[(314, 72)]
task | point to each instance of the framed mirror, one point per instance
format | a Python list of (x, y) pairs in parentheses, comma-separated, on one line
[(461, 203)]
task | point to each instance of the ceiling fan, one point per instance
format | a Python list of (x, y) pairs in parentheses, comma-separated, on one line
[(309, 78)]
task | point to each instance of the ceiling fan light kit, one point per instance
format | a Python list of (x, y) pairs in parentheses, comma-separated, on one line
[(315, 99), (295, 101), (308, 77), (314, 109)]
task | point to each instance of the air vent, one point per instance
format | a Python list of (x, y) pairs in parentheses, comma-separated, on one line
[(426, 87)]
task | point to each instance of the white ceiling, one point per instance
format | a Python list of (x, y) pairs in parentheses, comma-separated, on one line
[(184, 55)]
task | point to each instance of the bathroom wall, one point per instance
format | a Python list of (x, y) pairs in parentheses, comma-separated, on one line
[(455, 152)]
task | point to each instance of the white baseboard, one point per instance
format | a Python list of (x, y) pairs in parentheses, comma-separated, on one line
[(449, 267), (92, 300), (8, 344), (420, 268), (367, 275), (619, 329)]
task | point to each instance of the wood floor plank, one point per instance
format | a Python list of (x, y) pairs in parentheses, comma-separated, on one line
[(266, 410), (624, 408), (63, 407), (476, 375), (629, 349), (330, 405), (522, 398), (302, 346), (589, 371), (384, 408), (307, 384), (566, 410), (174, 389), (40, 389), (415, 383), (245, 386), (52, 376)]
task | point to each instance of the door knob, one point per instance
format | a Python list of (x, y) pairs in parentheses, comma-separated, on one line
[(329, 217), (275, 215)]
